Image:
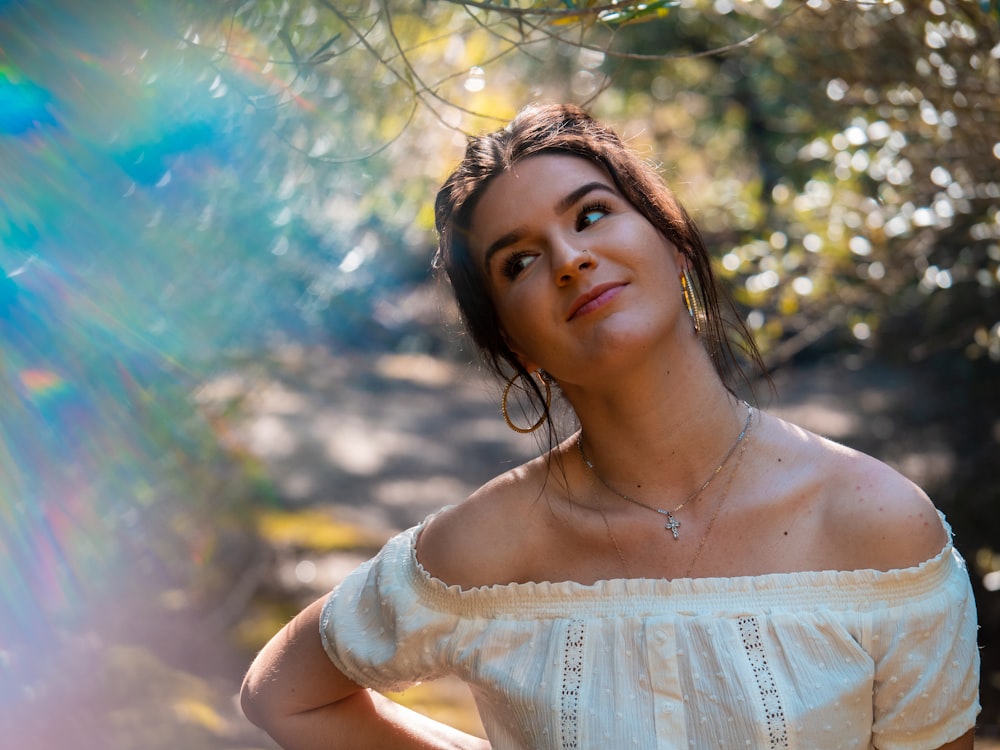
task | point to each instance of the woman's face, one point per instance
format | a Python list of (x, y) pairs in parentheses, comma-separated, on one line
[(578, 276)]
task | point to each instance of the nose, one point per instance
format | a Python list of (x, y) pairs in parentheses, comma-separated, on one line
[(569, 261)]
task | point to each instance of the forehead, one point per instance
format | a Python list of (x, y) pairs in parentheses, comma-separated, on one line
[(531, 189)]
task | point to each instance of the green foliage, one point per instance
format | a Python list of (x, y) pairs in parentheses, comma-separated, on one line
[(858, 167), (182, 183)]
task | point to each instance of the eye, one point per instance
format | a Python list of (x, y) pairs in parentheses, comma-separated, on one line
[(590, 215), (515, 263)]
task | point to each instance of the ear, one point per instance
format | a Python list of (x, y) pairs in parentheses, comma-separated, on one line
[(527, 364), (681, 258)]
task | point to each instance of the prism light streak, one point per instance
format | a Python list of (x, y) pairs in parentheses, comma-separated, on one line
[(115, 296)]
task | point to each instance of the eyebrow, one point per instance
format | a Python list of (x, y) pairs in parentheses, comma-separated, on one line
[(562, 206), (567, 203)]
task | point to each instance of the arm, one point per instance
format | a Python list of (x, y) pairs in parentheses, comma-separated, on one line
[(295, 693), (965, 742), (927, 660)]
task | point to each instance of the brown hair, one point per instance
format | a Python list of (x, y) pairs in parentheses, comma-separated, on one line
[(568, 129)]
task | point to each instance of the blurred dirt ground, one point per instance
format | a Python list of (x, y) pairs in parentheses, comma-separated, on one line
[(374, 444)]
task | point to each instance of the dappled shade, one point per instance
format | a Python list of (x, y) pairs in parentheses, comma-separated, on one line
[(225, 376)]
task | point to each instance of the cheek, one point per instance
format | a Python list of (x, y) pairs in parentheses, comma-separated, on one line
[(521, 328), (515, 328), (518, 305)]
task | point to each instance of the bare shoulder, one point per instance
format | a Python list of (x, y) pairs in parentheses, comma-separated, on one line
[(479, 541), (876, 517)]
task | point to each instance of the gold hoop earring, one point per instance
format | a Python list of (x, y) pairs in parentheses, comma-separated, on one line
[(541, 419), (693, 302)]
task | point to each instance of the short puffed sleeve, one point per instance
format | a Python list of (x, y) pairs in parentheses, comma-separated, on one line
[(927, 662), (376, 629)]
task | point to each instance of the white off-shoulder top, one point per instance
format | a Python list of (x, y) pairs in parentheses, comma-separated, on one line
[(810, 661)]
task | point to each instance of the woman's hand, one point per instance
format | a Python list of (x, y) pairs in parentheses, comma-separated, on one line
[(367, 719), (965, 742), (295, 693)]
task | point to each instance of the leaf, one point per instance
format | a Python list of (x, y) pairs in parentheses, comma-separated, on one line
[(638, 13), (324, 53), (620, 15)]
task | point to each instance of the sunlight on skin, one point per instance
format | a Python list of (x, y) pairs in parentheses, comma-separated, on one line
[(94, 431)]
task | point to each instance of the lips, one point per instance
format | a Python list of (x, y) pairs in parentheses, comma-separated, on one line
[(594, 298)]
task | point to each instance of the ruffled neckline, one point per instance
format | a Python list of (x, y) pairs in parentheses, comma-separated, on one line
[(834, 589)]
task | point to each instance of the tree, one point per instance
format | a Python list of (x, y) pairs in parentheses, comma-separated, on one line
[(182, 181)]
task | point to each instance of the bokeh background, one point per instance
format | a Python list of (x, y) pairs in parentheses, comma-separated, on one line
[(227, 374)]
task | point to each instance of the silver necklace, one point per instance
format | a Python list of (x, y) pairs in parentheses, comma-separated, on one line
[(673, 524)]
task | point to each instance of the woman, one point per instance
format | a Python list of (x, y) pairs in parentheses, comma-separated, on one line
[(683, 571)]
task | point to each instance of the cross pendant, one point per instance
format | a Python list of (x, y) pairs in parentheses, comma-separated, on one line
[(672, 525)]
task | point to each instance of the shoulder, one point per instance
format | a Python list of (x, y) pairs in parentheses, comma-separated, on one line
[(892, 518), (869, 513), (482, 541)]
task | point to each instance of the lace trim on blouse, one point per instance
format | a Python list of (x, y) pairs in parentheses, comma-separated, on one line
[(572, 676), (774, 713)]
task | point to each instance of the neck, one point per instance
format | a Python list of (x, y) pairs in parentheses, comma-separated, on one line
[(658, 439)]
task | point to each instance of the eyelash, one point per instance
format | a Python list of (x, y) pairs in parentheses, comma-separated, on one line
[(510, 268), (590, 208)]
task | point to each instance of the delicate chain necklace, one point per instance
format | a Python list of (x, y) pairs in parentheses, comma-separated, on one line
[(718, 507), (611, 535), (708, 528), (673, 524)]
